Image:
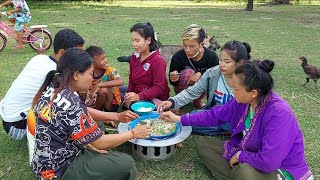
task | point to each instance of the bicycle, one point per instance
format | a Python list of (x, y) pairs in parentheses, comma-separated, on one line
[(38, 37)]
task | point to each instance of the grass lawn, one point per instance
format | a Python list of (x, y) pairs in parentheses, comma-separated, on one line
[(280, 33)]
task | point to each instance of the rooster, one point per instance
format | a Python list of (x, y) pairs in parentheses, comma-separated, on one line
[(311, 71)]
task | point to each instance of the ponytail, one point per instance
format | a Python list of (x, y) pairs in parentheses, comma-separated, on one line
[(72, 60), (48, 80)]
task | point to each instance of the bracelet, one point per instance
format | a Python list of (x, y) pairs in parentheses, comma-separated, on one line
[(133, 133)]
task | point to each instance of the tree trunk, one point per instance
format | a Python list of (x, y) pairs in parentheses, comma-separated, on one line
[(249, 5)]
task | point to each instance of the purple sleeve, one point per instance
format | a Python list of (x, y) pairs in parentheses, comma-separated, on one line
[(215, 116), (158, 69), (279, 134)]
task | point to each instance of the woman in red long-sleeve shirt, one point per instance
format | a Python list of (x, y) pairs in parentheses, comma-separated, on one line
[(147, 78)]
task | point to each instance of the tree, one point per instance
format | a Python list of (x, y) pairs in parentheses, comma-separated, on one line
[(249, 5)]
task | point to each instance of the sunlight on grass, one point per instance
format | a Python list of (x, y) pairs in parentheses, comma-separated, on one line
[(165, 4), (181, 4)]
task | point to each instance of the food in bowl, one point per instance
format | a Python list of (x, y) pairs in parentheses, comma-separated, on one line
[(144, 109), (159, 127)]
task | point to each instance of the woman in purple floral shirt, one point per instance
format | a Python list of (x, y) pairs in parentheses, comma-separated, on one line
[(266, 141)]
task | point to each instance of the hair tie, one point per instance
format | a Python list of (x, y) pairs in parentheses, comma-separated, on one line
[(57, 73)]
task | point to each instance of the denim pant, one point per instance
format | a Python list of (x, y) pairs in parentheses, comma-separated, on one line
[(211, 131)]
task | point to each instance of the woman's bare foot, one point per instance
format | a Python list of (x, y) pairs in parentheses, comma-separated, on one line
[(18, 46)]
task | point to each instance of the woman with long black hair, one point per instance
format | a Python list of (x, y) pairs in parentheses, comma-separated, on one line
[(64, 127)]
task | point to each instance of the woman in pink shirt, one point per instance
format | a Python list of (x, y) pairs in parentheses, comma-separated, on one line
[(147, 78)]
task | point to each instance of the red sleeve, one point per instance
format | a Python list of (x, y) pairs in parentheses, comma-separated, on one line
[(158, 69)]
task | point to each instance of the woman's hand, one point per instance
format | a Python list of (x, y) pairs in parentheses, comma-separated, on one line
[(194, 78), (131, 96), (235, 159), (165, 105), (9, 13), (169, 116), (174, 76), (141, 132), (127, 116), (89, 146)]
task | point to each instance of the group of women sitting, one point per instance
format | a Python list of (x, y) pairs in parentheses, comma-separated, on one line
[(266, 141)]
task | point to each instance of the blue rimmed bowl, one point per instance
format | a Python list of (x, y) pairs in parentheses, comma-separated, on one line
[(154, 116)]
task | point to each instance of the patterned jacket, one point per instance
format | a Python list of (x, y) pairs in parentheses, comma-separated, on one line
[(274, 140)]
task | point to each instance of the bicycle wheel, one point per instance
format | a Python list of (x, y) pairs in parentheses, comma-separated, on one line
[(3, 42), (40, 39)]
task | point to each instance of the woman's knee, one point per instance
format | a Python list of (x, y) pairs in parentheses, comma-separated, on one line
[(107, 93), (128, 160), (103, 91), (128, 167), (201, 144), (208, 147), (243, 171)]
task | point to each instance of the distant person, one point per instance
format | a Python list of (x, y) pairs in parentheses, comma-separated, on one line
[(266, 141), (104, 91), (216, 82), (19, 16), (15, 105), (191, 62), (147, 77), (65, 127)]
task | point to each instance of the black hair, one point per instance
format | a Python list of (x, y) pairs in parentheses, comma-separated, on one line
[(202, 35), (65, 39), (238, 50), (95, 51), (146, 30), (256, 75), (72, 60)]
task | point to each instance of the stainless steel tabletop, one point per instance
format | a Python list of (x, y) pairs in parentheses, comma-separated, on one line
[(180, 136)]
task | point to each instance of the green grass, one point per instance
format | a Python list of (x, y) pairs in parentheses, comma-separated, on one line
[(280, 33)]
